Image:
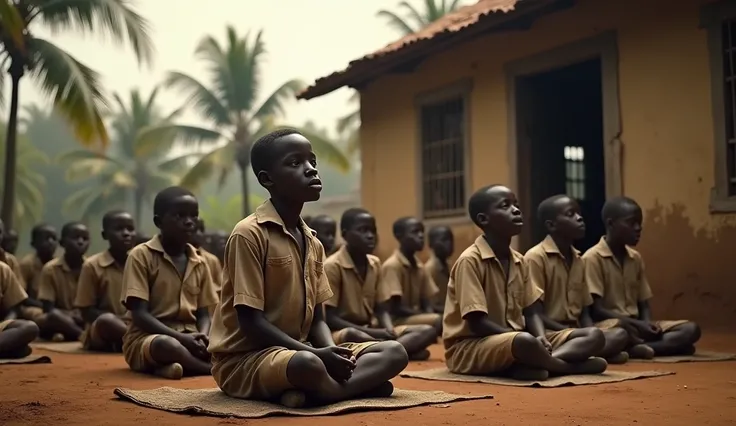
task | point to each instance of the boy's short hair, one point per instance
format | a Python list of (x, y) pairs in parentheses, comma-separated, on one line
[(347, 220), (399, 226), (110, 216), (162, 202), (547, 209), (67, 228), (38, 229), (613, 208), (479, 201), (262, 152), (436, 231), (321, 218)]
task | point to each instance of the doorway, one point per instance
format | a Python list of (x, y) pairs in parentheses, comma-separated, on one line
[(560, 134)]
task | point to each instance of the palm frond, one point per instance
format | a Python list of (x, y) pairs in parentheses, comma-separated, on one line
[(274, 105), (158, 136), (74, 87), (412, 13), (208, 164), (396, 22), (115, 18), (13, 26), (349, 121), (199, 97)]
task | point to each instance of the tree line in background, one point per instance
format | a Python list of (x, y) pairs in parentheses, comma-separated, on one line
[(94, 152)]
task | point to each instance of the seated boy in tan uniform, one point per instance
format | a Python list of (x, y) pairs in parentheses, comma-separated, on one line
[(101, 284), (326, 229), (556, 268), (406, 281), (15, 334), (269, 340), (617, 280), (7, 257), (490, 302), (168, 290), (9, 243), (357, 312), (58, 286), (442, 243), (44, 241)]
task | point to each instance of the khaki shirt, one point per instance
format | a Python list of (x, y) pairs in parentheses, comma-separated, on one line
[(621, 287), (565, 291), (440, 275), (31, 266), (11, 292), (263, 270), (412, 284), (101, 284), (58, 284), (213, 263), (478, 284), (151, 275), (354, 298)]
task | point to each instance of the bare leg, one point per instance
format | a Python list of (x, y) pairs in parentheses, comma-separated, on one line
[(167, 350), (111, 329), (59, 322), (15, 338), (375, 366), (354, 335), (416, 339), (581, 345), (529, 352), (616, 341), (677, 341)]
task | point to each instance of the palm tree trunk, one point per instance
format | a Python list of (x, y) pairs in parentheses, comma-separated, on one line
[(11, 148), (244, 189), (138, 206)]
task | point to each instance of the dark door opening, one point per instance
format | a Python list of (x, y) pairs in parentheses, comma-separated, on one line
[(560, 135)]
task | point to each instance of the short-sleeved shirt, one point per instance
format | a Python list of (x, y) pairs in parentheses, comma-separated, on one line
[(213, 263), (410, 282), (478, 283), (58, 284), (440, 274), (11, 292), (151, 275), (264, 269), (14, 264), (101, 284), (31, 266), (620, 287), (354, 297), (565, 291)]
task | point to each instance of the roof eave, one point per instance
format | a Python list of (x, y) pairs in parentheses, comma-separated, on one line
[(368, 68)]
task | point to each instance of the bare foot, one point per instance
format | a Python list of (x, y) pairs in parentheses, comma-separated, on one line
[(641, 351), (422, 355), (620, 358), (172, 371), (527, 374)]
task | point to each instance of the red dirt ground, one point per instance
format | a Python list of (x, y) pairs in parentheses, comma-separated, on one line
[(77, 390)]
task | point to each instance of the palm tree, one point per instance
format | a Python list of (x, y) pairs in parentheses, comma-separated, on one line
[(136, 167), (229, 106), (29, 183), (74, 87), (415, 20)]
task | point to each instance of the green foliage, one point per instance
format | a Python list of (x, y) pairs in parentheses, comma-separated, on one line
[(223, 214), (413, 19)]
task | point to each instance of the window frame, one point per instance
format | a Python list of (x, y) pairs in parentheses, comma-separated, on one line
[(461, 89), (712, 17)]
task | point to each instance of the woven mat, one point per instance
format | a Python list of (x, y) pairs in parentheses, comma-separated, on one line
[(213, 402), (611, 376), (30, 359), (700, 356), (64, 347)]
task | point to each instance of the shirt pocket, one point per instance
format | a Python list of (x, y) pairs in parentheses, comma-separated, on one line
[(279, 269)]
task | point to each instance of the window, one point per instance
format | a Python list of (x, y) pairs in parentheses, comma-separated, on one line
[(575, 172), (442, 136), (719, 19)]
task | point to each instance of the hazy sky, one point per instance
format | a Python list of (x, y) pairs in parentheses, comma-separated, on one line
[(304, 39)]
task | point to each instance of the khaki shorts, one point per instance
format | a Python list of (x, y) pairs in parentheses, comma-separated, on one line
[(261, 375), (5, 324), (608, 324), (137, 352), (418, 319), (93, 341), (31, 313), (558, 338), (481, 356), (340, 336)]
